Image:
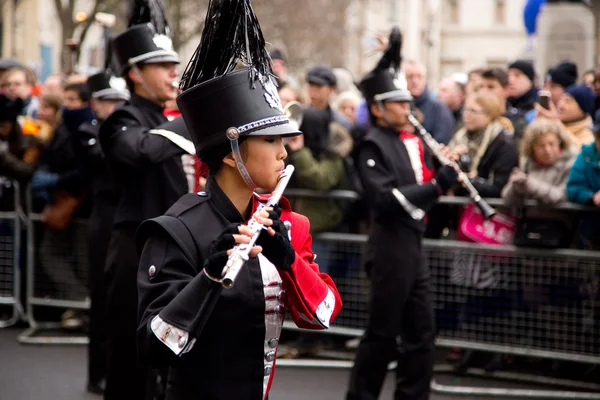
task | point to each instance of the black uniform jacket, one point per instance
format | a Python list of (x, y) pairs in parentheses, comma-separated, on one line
[(146, 168), (390, 186), (221, 343)]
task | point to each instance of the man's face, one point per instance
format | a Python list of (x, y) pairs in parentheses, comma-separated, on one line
[(568, 109), (16, 86), (518, 83), (450, 94), (415, 78), (72, 101), (394, 113), (319, 95), (158, 79), (494, 87), (103, 108)]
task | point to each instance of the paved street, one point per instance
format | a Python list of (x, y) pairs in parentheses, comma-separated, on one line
[(52, 372)]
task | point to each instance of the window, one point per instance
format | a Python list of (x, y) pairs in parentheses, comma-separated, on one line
[(452, 11), (500, 12)]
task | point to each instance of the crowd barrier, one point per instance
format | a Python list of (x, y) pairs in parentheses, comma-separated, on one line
[(524, 302), (541, 304), (10, 246), (57, 267)]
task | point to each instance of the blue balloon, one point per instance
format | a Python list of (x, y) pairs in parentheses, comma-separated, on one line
[(530, 14)]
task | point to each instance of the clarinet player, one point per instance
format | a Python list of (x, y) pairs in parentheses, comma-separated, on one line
[(400, 186), (220, 342)]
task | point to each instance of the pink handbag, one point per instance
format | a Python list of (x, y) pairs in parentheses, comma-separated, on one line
[(500, 229)]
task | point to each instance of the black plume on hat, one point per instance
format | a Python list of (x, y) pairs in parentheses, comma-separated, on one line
[(231, 34), (383, 83), (149, 11), (392, 58), (10, 109)]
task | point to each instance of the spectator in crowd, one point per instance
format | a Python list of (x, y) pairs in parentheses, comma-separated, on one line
[(288, 94), (438, 119), (559, 78), (279, 66), (15, 162), (54, 84), (347, 103), (18, 83), (452, 94), (49, 111), (522, 91), (7, 64), (583, 187), (588, 78), (574, 110), (495, 81), (474, 78), (59, 187), (547, 155), (483, 147)]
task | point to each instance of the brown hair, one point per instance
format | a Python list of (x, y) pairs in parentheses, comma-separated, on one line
[(496, 74), (54, 100), (540, 127), (491, 104)]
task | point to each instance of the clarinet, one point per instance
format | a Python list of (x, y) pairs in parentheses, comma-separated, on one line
[(241, 251), (434, 146)]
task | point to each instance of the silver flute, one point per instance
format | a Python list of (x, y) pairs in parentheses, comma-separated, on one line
[(241, 251), (434, 146)]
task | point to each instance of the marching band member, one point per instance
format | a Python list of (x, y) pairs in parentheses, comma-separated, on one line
[(148, 175), (400, 185), (222, 343)]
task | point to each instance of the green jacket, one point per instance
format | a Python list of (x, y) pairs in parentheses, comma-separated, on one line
[(319, 175)]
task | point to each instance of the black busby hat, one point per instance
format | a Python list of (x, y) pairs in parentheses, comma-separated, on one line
[(219, 105), (384, 83), (148, 38), (104, 86)]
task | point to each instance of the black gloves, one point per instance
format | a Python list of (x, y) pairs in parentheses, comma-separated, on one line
[(217, 252), (277, 248), (446, 178)]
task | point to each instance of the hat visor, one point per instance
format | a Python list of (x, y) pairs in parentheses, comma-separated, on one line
[(110, 94), (284, 130), (395, 95), (162, 59)]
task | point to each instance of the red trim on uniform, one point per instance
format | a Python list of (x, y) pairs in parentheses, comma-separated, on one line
[(427, 173), (305, 287)]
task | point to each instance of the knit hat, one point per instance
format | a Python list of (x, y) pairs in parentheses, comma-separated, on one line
[(525, 67), (584, 96), (564, 74)]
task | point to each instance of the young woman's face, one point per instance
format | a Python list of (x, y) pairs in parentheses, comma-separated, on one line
[(474, 116), (546, 149), (264, 161)]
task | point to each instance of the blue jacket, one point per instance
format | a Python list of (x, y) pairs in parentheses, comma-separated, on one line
[(438, 119), (584, 179)]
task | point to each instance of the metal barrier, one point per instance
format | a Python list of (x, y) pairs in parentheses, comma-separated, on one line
[(541, 304), (10, 246), (57, 267)]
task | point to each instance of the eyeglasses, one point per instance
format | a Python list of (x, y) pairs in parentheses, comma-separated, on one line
[(473, 111)]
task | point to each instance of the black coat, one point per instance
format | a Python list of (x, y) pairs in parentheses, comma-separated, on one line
[(146, 168), (384, 164), (495, 166), (220, 343)]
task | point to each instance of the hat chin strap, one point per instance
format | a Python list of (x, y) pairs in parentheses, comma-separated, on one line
[(136, 70), (233, 135), (385, 116)]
